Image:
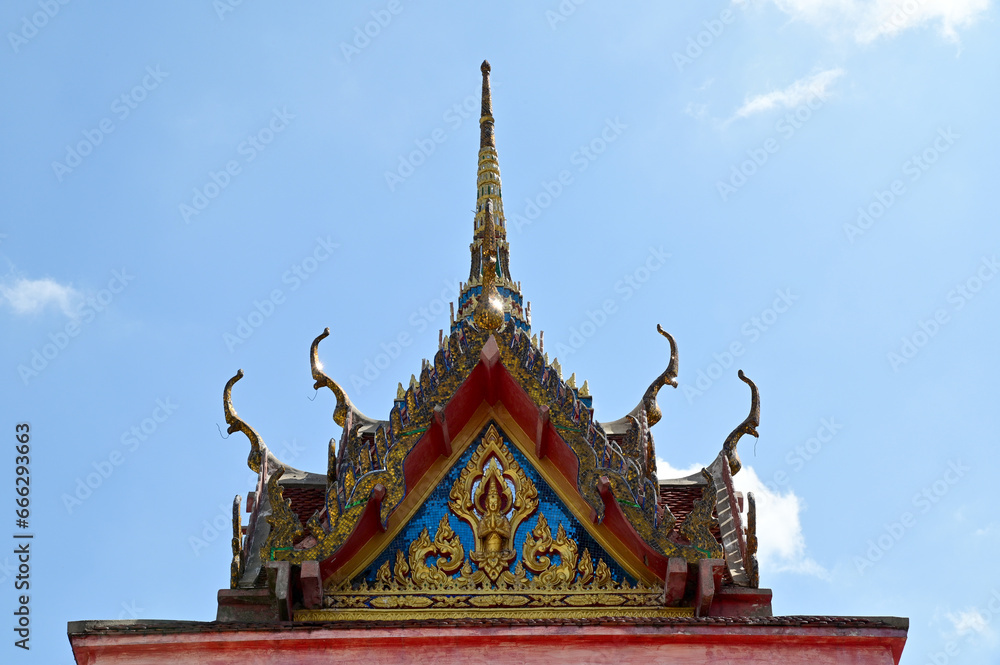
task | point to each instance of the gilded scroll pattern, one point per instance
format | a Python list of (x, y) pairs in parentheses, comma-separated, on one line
[(426, 579)]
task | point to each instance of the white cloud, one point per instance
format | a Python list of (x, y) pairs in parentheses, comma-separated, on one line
[(667, 472), (800, 92), (987, 530), (970, 621), (696, 111), (27, 296), (868, 20), (890, 17), (781, 544)]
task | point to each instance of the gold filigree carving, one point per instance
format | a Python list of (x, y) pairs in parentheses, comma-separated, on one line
[(443, 611), (471, 579), (401, 570), (285, 525), (489, 314), (384, 574), (446, 546), (538, 544), (697, 526), (585, 568), (493, 495), (602, 576)]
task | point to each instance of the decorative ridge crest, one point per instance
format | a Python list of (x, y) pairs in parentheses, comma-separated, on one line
[(748, 426), (668, 377), (344, 404), (238, 424)]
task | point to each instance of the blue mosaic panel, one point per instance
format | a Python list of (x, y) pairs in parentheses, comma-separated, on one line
[(436, 506)]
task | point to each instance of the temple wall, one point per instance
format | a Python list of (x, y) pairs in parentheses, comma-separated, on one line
[(551, 645)]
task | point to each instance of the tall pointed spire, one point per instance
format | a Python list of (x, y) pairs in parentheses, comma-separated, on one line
[(493, 251)]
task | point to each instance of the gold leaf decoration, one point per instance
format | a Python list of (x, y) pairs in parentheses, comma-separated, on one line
[(401, 570), (585, 568), (493, 495)]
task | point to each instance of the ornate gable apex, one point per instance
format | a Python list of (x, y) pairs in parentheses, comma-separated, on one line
[(492, 539)]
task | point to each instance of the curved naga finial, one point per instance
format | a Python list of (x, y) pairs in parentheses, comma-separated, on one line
[(748, 426), (343, 403), (669, 376), (237, 424)]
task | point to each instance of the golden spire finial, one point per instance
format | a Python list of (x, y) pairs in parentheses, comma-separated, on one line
[(488, 196), (486, 139), (489, 309)]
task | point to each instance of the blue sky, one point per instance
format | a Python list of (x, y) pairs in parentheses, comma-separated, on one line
[(801, 189)]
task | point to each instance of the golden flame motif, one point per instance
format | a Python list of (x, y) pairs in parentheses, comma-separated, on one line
[(539, 543)]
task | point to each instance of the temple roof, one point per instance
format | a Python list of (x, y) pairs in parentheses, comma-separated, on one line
[(574, 506)]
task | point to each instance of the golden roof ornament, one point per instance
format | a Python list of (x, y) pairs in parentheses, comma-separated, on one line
[(489, 247), (489, 309)]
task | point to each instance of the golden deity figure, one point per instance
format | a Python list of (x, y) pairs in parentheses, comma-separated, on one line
[(493, 496), (494, 527)]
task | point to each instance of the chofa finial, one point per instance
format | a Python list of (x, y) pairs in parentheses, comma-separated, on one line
[(748, 426)]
